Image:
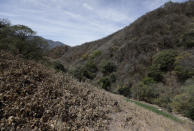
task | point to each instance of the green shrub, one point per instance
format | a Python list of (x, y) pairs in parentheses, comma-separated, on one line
[(59, 67), (148, 81), (108, 67), (78, 73), (164, 60), (105, 83), (163, 101), (143, 92), (155, 73), (95, 54), (182, 73), (184, 103), (89, 75), (113, 78), (125, 91), (88, 71), (184, 66), (188, 40), (91, 56), (91, 67), (85, 56)]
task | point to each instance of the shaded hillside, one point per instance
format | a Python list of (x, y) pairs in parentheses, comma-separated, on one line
[(33, 97), (149, 60)]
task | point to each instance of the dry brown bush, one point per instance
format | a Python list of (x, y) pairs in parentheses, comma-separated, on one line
[(34, 97)]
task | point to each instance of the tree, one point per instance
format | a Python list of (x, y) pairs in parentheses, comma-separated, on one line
[(108, 67), (164, 60), (184, 103), (105, 83), (4, 23), (22, 32), (125, 90)]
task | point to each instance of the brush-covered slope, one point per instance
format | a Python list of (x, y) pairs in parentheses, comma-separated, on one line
[(132, 48), (150, 60), (33, 97)]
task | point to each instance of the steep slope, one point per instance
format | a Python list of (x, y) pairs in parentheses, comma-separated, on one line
[(133, 47), (33, 97)]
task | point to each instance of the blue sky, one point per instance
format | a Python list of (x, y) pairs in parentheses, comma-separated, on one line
[(74, 22)]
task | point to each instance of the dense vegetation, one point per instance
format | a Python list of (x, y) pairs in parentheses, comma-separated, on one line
[(22, 40), (19, 39), (149, 60)]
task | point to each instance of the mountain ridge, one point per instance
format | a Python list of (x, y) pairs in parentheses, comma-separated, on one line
[(128, 43), (150, 60)]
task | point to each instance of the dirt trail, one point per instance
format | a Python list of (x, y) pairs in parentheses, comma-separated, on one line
[(135, 118)]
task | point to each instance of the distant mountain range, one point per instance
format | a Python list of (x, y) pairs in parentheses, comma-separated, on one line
[(53, 44)]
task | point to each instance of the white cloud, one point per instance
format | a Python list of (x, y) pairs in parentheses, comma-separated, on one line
[(87, 6), (75, 21), (5, 14), (113, 15)]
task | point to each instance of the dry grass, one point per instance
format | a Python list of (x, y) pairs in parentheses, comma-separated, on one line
[(33, 97)]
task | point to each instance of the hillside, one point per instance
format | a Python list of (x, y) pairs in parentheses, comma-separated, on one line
[(34, 97), (132, 48), (58, 51), (150, 60), (140, 78)]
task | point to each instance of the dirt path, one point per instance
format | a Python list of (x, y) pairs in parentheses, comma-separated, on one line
[(134, 118)]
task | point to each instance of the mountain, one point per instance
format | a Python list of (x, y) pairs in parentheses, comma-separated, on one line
[(53, 44), (151, 60), (132, 48)]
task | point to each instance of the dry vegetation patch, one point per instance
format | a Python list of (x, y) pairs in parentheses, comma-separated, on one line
[(33, 97)]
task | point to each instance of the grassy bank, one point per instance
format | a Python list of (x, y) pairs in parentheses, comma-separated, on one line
[(156, 110)]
